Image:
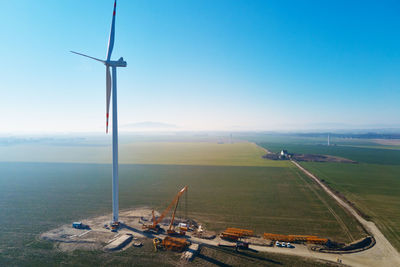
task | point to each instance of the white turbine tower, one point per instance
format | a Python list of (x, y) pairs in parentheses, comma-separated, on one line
[(113, 65)]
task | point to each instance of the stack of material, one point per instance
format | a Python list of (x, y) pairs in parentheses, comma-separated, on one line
[(296, 238), (316, 240), (236, 233), (173, 243), (302, 238), (189, 254)]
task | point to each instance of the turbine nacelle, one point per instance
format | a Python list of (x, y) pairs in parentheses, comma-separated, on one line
[(119, 63)]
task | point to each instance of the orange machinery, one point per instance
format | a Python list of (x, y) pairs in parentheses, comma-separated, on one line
[(236, 233), (173, 243), (320, 241), (154, 226), (182, 230), (296, 238)]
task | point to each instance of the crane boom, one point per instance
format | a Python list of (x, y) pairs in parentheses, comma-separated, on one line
[(173, 216), (165, 212)]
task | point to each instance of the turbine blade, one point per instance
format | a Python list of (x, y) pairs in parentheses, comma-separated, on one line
[(112, 34), (108, 94), (102, 61)]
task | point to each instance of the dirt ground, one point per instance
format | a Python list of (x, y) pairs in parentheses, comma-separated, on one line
[(95, 238)]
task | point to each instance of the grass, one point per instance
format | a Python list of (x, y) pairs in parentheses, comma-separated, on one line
[(182, 153), (260, 198), (36, 197), (373, 184), (229, 185), (197, 153), (374, 188)]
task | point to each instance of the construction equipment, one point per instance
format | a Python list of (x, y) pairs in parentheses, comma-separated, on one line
[(302, 238), (236, 233), (157, 244), (170, 243), (154, 226), (277, 237), (115, 226), (316, 240), (80, 225), (296, 238), (230, 236), (174, 243), (182, 227)]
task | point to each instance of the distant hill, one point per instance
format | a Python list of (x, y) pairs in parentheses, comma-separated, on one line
[(150, 125)]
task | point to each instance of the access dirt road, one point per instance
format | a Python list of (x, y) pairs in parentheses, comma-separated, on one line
[(382, 254)]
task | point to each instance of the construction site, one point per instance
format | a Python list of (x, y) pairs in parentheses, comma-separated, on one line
[(183, 235)]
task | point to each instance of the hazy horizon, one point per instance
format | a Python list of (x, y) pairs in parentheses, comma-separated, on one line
[(152, 127)]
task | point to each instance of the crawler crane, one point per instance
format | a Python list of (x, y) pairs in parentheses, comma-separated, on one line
[(155, 225)]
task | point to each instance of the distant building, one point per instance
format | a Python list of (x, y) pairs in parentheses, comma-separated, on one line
[(284, 154)]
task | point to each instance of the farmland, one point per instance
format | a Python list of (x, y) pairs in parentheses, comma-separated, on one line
[(360, 154), (372, 185), (231, 187), (276, 199), (374, 188), (180, 153)]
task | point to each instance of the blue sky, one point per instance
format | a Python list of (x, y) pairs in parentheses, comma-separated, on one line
[(201, 65)]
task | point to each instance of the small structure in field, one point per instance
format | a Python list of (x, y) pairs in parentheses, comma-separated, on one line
[(284, 154)]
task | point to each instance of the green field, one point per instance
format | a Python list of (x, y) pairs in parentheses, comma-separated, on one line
[(373, 184), (181, 153), (375, 189), (197, 153), (263, 195)]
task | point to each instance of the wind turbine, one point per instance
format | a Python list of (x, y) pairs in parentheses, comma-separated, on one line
[(113, 65)]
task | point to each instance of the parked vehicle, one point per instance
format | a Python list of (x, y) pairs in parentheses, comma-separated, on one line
[(288, 245), (80, 225)]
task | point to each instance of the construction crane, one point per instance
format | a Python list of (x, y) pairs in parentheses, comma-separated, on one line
[(155, 227), (182, 228)]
